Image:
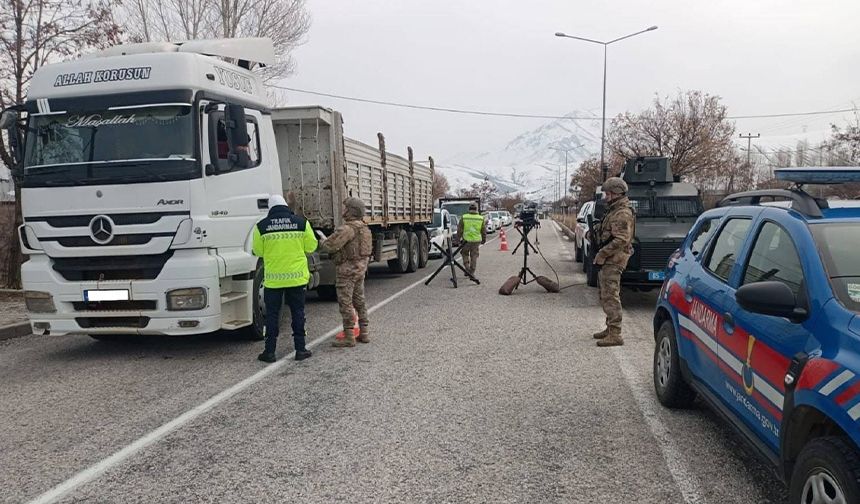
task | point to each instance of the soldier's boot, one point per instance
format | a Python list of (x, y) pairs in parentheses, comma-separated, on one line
[(612, 339), (363, 335), (600, 335), (347, 341)]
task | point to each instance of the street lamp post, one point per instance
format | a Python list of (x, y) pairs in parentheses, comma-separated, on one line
[(603, 118), (566, 181)]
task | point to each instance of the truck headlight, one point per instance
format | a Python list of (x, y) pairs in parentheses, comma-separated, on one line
[(186, 299), (39, 302)]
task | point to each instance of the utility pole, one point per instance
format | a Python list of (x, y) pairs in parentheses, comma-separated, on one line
[(749, 137)]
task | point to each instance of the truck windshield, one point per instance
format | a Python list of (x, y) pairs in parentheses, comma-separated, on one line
[(838, 244), (115, 146), (666, 207), (457, 209)]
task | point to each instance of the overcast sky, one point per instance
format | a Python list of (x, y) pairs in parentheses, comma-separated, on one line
[(761, 57)]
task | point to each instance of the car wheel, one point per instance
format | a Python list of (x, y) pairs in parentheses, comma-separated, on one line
[(590, 272), (578, 254), (827, 471), (423, 249), (400, 263), (672, 391), (414, 252)]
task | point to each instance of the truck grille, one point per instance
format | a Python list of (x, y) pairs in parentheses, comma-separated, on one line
[(118, 240), (654, 255), (128, 219), (114, 305), (81, 269), (108, 322)]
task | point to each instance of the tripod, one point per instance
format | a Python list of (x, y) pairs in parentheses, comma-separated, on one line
[(524, 241), (450, 260)]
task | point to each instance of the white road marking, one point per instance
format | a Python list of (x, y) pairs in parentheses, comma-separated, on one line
[(96, 470), (687, 483), (837, 382)]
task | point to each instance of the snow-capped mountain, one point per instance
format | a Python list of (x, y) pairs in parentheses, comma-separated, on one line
[(530, 162)]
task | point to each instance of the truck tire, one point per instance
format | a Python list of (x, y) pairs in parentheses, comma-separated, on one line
[(257, 330), (672, 391), (401, 262), (590, 272), (414, 252), (828, 465), (327, 292), (423, 249)]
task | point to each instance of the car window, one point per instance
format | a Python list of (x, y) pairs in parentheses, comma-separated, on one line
[(728, 244), (774, 257), (702, 234)]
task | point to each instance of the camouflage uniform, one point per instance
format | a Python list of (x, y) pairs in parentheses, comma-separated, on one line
[(351, 246), (616, 234)]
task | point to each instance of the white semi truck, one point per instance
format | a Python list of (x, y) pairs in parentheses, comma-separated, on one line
[(144, 169)]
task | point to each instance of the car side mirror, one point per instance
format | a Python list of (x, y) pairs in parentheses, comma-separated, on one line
[(599, 209), (237, 135), (771, 298)]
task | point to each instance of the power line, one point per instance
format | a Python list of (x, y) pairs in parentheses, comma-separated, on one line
[(532, 116)]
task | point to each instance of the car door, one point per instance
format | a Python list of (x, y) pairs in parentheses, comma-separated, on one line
[(758, 351), (687, 267), (709, 297)]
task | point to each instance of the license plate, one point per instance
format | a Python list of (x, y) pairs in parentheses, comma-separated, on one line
[(106, 295), (657, 275)]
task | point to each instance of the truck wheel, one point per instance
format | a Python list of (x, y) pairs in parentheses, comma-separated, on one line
[(423, 249), (590, 272), (327, 292), (401, 262), (672, 391), (257, 330), (578, 254), (827, 470), (414, 252)]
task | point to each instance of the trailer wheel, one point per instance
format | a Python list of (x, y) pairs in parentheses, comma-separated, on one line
[(423, 249), (327, 292), (401, 263), (414, 253)]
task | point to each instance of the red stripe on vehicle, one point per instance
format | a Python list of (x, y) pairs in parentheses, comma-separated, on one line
[(815, 371), (848, 394)]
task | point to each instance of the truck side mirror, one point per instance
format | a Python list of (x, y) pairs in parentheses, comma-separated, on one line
[(9, 122), (237, 136)]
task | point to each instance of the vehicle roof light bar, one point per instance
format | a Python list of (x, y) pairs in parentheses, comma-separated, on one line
[(800, 201), (819, 175)]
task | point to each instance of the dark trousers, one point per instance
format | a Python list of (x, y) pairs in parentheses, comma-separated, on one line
[(294, 297)]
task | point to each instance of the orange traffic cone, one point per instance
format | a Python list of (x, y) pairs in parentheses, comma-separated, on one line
[(355, 330), (503, 241)]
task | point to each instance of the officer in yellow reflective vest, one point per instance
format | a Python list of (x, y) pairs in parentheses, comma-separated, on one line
[(284, 239), (472, 230)]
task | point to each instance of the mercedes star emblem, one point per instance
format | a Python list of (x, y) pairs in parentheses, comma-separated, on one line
[(101, 229)]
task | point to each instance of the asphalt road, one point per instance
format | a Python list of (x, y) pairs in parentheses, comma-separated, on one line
[(462, 396)]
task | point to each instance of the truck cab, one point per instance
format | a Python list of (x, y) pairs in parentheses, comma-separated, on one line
[(144, 169)]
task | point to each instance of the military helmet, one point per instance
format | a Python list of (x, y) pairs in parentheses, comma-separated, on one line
[(615, 185), (354, 207)]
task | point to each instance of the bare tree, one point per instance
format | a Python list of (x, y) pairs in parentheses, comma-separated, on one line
[(286, 22), (440, 185), (690, 128), (32, 34)]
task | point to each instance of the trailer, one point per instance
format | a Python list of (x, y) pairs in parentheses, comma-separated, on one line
[(320, 168)]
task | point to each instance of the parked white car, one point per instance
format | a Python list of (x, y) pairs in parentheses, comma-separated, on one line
[(492, 224), (507, 218), (440, 231)]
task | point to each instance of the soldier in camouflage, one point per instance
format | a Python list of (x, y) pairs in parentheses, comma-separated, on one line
[(614, 239), (351, 246)]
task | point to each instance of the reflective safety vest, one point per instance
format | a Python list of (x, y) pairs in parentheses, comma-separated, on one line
[(472, 226), (283, 239)]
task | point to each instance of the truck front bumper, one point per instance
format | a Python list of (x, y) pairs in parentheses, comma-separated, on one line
[(145, 312)]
